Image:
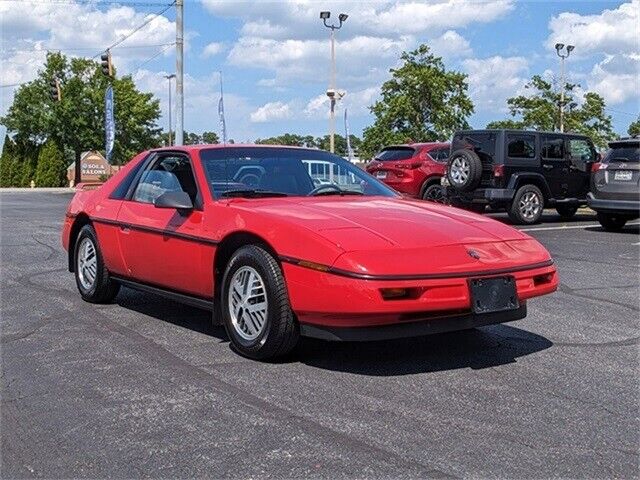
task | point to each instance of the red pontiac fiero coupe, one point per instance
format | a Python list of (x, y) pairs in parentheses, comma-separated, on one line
[(281, 242)]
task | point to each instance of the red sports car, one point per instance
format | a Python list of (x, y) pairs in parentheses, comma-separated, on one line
[(414, 169), (280, 242)]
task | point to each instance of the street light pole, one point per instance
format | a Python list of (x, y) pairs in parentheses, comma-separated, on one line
[(331, 92), (169, 77), (559, 47), (179, 72)]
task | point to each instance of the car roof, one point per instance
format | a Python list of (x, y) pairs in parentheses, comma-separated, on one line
[(203, 146), (625, 141), (515, 130)]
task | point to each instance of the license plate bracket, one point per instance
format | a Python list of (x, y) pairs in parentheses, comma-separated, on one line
[(490, 295), (623, 175)]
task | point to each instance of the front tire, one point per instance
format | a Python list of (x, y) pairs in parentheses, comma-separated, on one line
[(92, 277), (527, 205), (611, 222), (435, 193), (255, 305)]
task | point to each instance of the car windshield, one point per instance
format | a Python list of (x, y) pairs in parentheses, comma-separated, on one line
[(395, 153), (624, 152), (267, 171)]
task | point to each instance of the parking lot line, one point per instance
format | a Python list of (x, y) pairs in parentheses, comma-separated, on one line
[(566, 227)]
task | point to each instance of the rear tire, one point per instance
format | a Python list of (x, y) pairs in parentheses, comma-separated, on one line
[(255, 305), (527, 205), (92, 277), (464, 170), (566, 212), (434, 193), (611, 222)]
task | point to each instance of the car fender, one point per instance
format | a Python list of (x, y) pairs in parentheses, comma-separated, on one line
[(519, 179)]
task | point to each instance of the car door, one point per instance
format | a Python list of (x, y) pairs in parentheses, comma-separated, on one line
[(555, 164), (163, 246), (581, 156)]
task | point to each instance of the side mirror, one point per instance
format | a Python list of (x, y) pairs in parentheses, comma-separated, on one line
[(176, 200)]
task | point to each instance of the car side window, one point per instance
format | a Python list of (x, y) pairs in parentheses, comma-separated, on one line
[(553, 148), (580, 150), (168, 174), (521, 146)]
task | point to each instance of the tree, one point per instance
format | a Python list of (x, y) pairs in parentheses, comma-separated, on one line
[(77, 122), (210, 137), (51, 168), (291, 139), (7, 163), (540, 110), (634, 128), (340, 144), (423, 101)]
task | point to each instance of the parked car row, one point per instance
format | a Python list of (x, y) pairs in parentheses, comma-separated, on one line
[(520, 172)]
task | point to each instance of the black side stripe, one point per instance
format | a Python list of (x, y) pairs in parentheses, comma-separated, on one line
[(157, 231), (419, 276), (325, 268)]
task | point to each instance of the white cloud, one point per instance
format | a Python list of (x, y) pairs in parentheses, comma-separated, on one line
[(450, 44), (212, 49), (493, 80), (610, 32), (271, 111), (611, 38)]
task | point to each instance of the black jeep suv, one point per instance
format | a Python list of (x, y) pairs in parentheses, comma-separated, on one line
[(520, 171), (615, 184)]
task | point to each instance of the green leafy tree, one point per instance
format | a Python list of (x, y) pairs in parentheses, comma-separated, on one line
[(340, 144), (77, 122), (51, 168), (290, 139), (210, 137), (7, 163), (634, 128), (423, 101), (540, 110)]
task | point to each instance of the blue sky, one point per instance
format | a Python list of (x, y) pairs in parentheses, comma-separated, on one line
[(275, 55)]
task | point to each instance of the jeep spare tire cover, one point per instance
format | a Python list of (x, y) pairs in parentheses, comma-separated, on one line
[(464, 170)]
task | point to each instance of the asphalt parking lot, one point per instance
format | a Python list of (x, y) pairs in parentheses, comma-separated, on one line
[(147, 388)]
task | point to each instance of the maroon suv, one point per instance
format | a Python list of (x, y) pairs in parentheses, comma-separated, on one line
[(414, 169)]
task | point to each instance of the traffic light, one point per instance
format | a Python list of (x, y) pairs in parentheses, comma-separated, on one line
[(105, 63), (54, 90)]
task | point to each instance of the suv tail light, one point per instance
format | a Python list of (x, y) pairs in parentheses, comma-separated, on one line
[(409, 166), (598, 166), (498, 171)]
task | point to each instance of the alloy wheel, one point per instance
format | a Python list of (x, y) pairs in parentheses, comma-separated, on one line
[(530, 205), (247, 302), (87, 263), (459, 170)]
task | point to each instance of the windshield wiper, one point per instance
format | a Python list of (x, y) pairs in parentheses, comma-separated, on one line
[(253, 193), (337, 192)]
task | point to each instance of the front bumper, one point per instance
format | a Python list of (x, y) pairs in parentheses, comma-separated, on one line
[(429, 326), (325, 299), (613, 206)]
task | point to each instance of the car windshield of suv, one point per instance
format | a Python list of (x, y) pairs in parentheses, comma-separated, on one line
[(395, 153), (277, 172), (623, 152)]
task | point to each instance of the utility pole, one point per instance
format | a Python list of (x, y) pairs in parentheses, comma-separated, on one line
[(559, 47), (331, 92), (169, 77), (179, 72)]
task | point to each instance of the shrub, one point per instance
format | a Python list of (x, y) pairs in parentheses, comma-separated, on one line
[(51, 168)]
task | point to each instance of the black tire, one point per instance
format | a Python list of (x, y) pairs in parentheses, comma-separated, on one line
[(434, 193), (102, 289), (280, 331), (611, 222), (565, 211), (524, 215), (464, 170)]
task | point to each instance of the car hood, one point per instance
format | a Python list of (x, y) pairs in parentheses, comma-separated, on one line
[(386, 223)]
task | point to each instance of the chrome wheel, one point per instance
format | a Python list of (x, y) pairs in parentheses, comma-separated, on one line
[(530, 205), (87, 263), (459, 170), (247, 303)]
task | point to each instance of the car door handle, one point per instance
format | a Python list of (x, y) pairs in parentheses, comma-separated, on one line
[(547, 166)]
